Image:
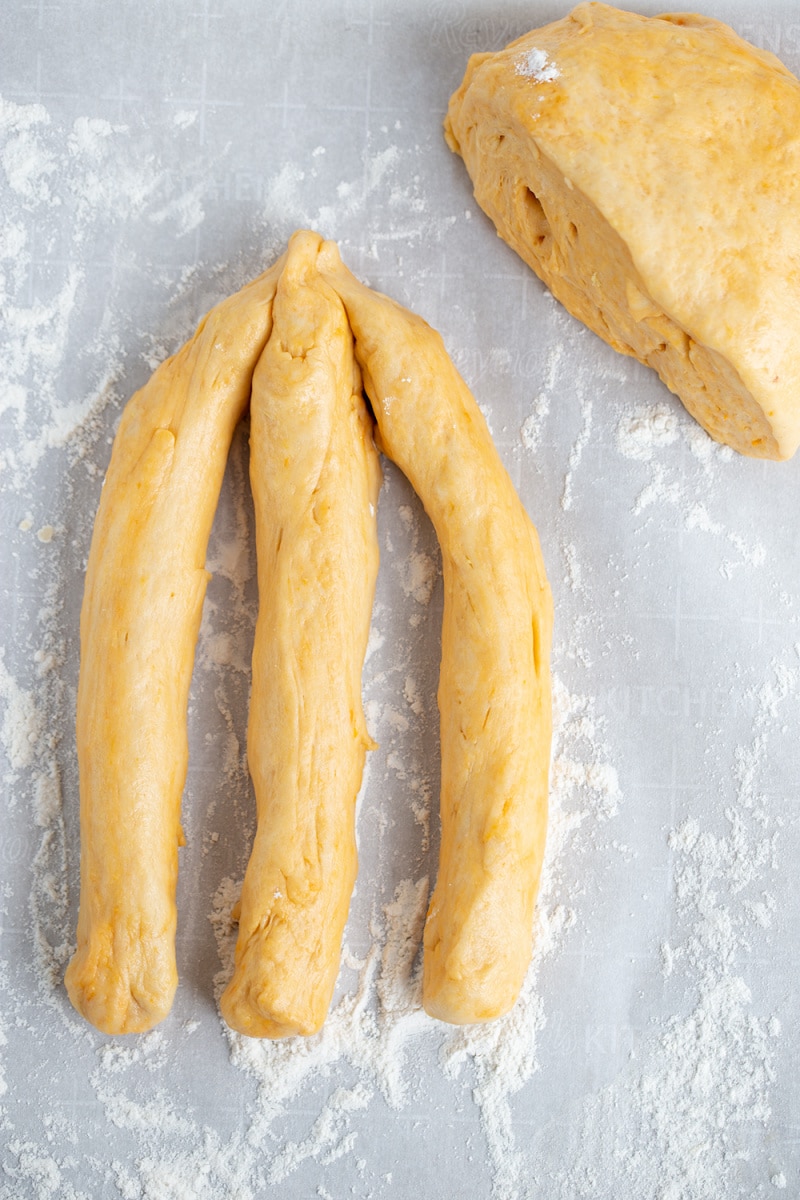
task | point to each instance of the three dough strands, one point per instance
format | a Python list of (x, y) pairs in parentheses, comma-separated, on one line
[(567, 168), (315, 479)]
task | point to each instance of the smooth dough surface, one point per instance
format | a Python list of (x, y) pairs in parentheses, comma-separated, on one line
[(648, 170), (143, 597), (494, 686), (315, 476)]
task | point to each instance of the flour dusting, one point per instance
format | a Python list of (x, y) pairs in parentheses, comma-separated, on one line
[(535, 64), (646, 430), (708, 1076), (130, 206)]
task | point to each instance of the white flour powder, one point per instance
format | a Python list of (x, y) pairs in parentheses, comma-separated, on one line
[(674, 1120), (708, 1076), (535, 64)]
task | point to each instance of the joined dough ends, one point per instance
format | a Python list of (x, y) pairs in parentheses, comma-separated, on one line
[(301, 344)]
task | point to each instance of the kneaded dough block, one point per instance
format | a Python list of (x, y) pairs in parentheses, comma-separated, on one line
[(648, 170), (142, 604), (494, 683), (315, 475)]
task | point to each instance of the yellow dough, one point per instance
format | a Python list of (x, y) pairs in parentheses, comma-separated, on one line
[(494, 688), (143, 597), (648, 170), (295, 343), (315, 476)]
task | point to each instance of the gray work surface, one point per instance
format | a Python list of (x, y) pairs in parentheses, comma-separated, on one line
[(154, 158)]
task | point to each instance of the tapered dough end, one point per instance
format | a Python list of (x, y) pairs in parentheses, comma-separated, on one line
[(122, 992), (449, 1002), (479, 981), (251, 1006)]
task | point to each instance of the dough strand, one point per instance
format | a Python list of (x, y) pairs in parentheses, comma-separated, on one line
[(143, 598), (315, 475), (494, 687)]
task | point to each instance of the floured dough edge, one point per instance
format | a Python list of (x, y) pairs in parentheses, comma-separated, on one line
[(570, 245)]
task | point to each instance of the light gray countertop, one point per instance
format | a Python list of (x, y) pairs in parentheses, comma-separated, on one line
[(155, 157)]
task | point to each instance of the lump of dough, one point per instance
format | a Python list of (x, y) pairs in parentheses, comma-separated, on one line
[(648, 170)]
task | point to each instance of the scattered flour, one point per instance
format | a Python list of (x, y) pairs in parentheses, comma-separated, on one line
[(707, 1077), (26, 163), (531, 432), (184, 118), (105, 176), (648, 429), (67, 183), (700, 1075), (418, 570), (535, 64), (377, 1028), (576, 453), (22, 721), (574, 575), (533, 425)]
